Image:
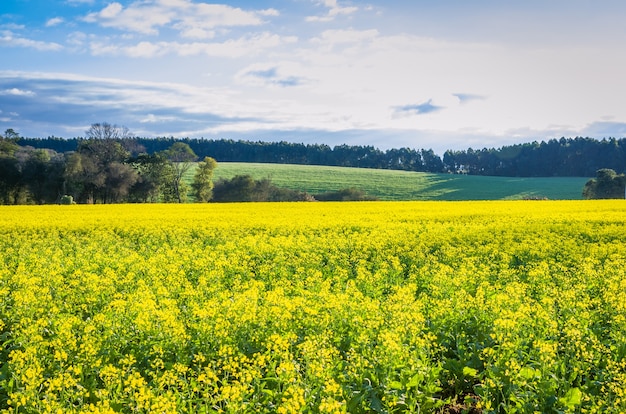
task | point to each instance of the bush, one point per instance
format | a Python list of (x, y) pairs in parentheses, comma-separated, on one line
[(607, 184), (67, 200), (346, 194), (242, 188)]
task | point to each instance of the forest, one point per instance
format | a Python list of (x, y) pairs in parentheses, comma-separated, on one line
[(564, 157), (105, 167)]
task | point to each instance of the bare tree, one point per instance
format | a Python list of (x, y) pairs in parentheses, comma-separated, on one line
[(105, 130)]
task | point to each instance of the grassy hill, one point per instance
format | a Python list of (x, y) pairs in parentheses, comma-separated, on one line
[(405, 185)]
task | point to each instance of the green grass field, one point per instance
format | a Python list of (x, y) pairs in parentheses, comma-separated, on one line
[(405, 185)]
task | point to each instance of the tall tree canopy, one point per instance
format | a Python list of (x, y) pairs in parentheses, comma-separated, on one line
[(203, 180), (607, 184)]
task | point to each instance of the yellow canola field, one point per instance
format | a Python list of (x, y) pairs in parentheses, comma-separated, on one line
[(408, 307)]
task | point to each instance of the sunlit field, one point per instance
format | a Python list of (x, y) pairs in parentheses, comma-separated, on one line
[(406, 185), (377, 307)]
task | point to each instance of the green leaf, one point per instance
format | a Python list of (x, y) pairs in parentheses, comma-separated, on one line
[(415, 380), (470, 372), (375, 403), (528, 373), (572, 398), (395, 385)]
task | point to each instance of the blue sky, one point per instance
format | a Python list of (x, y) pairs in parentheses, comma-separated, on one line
[(440, 74)]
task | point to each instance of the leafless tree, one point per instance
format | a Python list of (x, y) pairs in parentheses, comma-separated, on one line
[(105, 130)]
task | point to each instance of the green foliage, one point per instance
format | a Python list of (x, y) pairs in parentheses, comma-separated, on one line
[(404, 185), (98, 172), (156, 174), (565, 157), (7, 143), (67, 200), (346, 194), (203, 180), (242, 188), (42, 174), (180, 152), (607, 184), (10, 184), (180, 156)]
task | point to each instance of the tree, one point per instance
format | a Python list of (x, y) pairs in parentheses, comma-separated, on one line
[(607, 184), (105, 130), (8, 145), (120, 178), (238, 189), (155, 175), (432, 162), (99, 170), (203, 180), (180, 156), (84, 178), (42, 174), (243, 188), (10, 179)]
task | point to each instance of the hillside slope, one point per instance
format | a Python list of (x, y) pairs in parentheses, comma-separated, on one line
[(405, 185)]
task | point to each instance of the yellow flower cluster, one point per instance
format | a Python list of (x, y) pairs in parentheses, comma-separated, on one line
[(397, 307)]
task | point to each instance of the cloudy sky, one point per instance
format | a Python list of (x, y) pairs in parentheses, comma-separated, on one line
[(440, 74)]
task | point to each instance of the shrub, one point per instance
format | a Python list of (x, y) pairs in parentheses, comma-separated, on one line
[(67, 200), (346, 194)]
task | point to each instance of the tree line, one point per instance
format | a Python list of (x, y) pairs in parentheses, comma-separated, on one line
[(107, 166), (111, 166), (565, 157), (227, 150)]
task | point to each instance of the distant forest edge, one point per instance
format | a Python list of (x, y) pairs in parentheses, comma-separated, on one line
[(565, 157)]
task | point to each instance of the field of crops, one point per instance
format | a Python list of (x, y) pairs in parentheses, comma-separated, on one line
[(385, 307), (394, 185)]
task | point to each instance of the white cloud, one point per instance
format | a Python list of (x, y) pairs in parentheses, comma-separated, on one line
[(183, 4), (234, 48), (215, 15), (17, 92), (204, 18), (76, 39), (190, 19), (7, 38), (334, 11), (154, 119), (12, 26), (54, 21), (111, 11), (329, 38), (101, 49), (138, 17), (248, 46), (144, 50), (269, 12)]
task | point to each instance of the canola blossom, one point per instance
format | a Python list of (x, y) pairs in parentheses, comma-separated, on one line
[(381, 307)]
